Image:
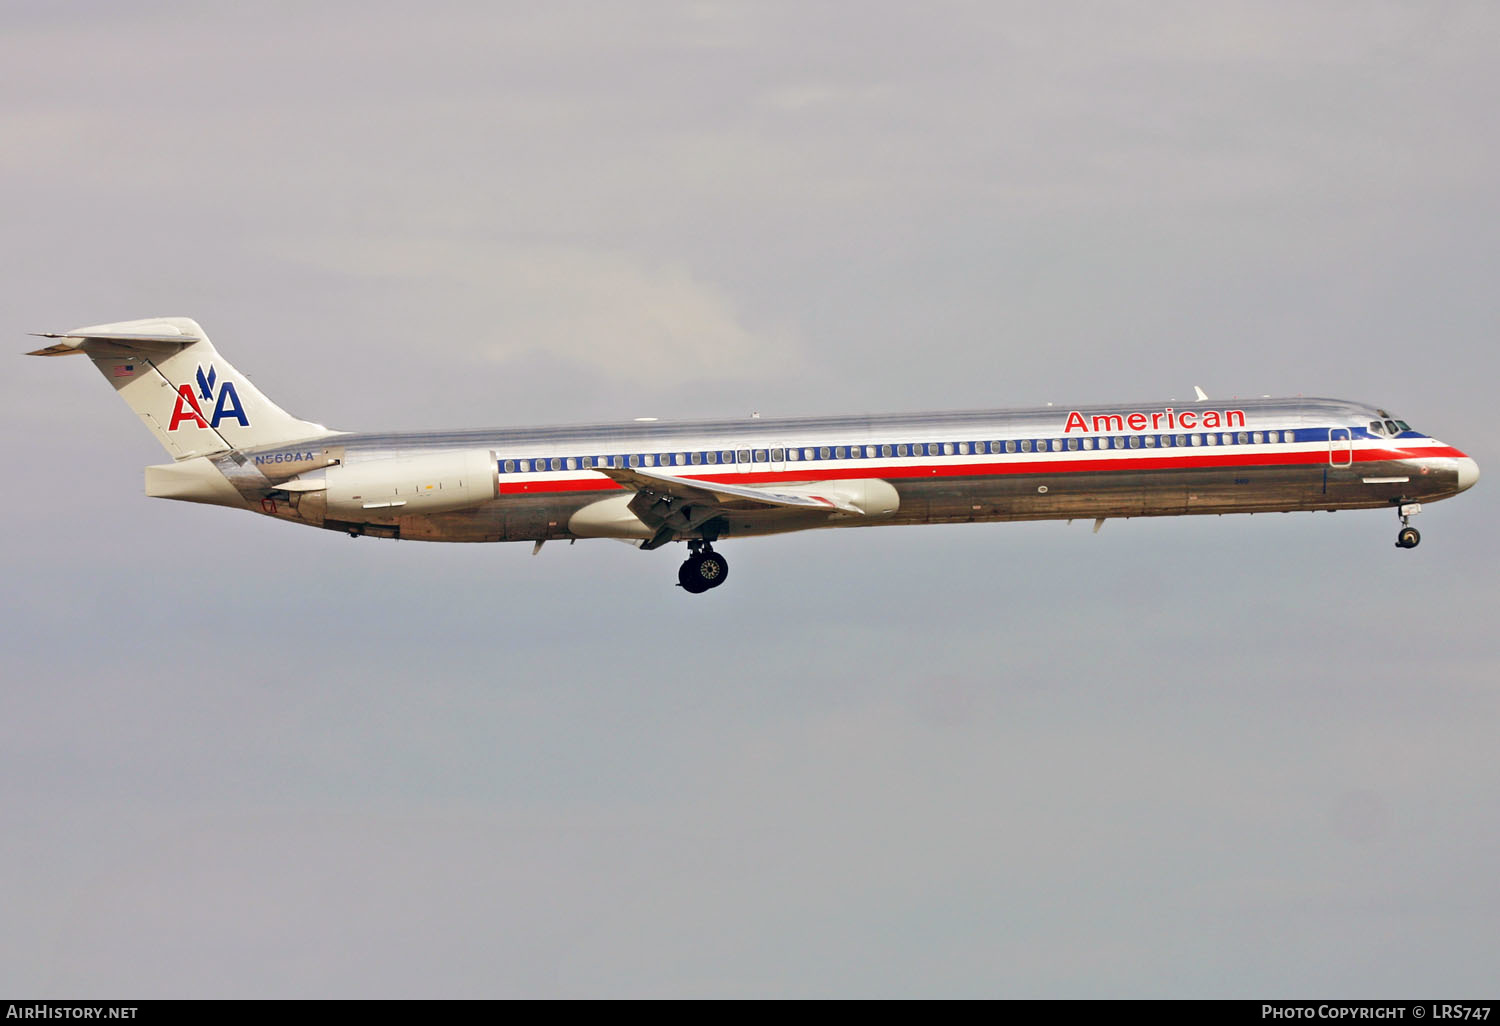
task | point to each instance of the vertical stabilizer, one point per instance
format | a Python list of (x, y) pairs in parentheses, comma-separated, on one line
[(190, 397)]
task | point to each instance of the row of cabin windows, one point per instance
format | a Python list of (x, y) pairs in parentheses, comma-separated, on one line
[(716, 457)]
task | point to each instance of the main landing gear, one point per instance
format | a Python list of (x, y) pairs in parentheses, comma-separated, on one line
[(1408, 536), (702, 570)]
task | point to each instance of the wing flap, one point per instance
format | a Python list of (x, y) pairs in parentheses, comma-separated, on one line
[(727, 496)]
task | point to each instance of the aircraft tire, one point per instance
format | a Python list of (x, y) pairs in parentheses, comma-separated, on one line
[(1408, 538), (712, 569), (702, 571)]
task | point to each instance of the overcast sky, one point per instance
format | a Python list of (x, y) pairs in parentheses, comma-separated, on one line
[(1226, 757)]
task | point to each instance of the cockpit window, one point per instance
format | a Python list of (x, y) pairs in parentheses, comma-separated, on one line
[(1403, 425), (1390, 426)]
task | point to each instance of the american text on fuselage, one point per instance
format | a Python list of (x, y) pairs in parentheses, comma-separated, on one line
[(657, 482), (1253, 457)]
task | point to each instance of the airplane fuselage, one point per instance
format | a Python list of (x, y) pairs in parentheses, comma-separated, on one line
[(1241, 456), (653, 483)]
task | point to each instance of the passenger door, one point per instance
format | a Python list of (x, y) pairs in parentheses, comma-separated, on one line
[(1340, 447)]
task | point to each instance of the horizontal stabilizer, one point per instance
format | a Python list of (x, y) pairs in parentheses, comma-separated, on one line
[(72, 342), (185, 393)]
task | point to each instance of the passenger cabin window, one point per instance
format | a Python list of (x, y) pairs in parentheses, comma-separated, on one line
[(744, 456), (760, 455), (1135, 441), (777, 455), (824, 452), (1025, 445), (793, 454), (1088, 443), (885, 450), (1243, 438), (1072, 443)]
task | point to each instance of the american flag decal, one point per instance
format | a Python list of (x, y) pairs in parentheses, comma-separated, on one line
[(124, 370)]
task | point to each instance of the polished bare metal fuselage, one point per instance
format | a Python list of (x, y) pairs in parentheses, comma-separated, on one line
[(1162, 469)]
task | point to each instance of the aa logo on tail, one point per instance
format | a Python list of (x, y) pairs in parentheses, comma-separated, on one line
[(225, 404)]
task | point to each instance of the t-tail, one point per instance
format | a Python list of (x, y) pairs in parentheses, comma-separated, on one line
[(190, 397)]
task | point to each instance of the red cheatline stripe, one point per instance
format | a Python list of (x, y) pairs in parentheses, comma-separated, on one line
[(806, 472)]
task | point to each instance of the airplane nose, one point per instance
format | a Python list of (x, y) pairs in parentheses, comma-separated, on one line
[(1468, 473)]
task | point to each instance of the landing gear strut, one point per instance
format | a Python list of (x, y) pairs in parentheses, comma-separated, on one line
[(703, 569), (1408, 536)]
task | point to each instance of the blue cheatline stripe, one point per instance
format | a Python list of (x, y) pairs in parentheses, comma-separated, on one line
[(925, 450)]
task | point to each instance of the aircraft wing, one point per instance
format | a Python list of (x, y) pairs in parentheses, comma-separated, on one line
[(667, 504), (724, 496)]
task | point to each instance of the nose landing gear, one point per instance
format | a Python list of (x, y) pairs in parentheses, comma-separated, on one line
[(702, 570), (1408, 537)]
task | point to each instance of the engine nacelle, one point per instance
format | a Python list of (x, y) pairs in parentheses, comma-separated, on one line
[(384, 490), (406, 485)]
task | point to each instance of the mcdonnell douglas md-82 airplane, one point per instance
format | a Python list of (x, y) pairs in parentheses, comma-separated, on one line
[(655, 482)]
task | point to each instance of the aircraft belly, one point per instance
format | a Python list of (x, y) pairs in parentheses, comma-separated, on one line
[(1063, 495), (536, 517), (1113, 494), (486, 524), (1042, 496)]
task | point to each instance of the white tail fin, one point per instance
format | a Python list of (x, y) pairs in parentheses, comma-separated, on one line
[(191, 398)]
